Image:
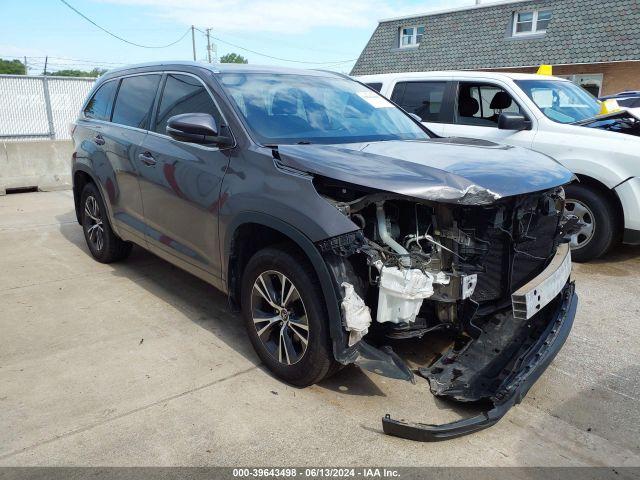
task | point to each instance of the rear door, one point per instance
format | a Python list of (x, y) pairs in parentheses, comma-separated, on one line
[(123, 136), (430, 100), (478, 105), (109, 135), (181, 181)]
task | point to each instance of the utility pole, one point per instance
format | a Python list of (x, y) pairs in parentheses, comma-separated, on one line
[(209, 45), (26, 69), (193, 41), (46, 59)]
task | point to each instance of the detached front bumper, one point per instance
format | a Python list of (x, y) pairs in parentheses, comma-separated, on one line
[(524, 349)]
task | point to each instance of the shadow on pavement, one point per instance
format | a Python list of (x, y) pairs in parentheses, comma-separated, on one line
[(195, 299)]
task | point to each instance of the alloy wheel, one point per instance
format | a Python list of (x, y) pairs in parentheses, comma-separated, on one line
[(585, 215), (93, 223), (279, 317)]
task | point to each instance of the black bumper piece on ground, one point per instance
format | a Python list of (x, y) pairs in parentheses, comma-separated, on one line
[(511, 392)]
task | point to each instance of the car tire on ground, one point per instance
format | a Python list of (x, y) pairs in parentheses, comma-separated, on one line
[(105, 246), (285, 316), (599, 215)]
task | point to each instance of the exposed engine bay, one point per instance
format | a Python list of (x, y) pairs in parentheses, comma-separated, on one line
[(418, 267), (619, 122)]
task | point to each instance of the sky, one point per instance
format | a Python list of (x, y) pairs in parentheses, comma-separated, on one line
[(329, 33)]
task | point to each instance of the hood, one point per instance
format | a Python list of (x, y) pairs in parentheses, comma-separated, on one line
[(454, 170)]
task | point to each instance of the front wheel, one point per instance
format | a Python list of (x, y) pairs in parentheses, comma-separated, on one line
[(598, 216), (285, 317)]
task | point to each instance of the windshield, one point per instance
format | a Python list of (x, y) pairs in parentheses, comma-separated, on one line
[(290, 109), (561, 101)]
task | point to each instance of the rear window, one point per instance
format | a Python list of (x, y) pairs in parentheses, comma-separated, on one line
[(377, 86), (422, 98), (99, 107), (135, 99)]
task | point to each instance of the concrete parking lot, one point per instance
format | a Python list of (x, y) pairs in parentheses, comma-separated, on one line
[(139, 363)]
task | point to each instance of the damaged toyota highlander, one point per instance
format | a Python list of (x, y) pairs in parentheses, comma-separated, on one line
[(338, 224)]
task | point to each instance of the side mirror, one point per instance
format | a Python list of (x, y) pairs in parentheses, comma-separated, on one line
[(198, 128), (513, 121)]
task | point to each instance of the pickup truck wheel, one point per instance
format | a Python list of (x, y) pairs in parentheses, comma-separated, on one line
[(284, 314), (598, 215), (105, 246)]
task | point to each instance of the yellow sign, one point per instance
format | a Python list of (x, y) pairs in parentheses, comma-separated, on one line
[(609, 106), (545, 70)]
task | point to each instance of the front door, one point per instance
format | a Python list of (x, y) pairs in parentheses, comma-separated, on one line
[(180, 182), (475, 114)]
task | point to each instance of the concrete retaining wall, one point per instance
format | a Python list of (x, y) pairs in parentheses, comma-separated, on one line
[(45, 165)]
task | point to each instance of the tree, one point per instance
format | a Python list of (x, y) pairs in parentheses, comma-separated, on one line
[(96, 72), (233, 58), (11, 67)]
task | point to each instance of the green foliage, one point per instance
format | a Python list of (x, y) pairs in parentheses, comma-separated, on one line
[(233, 58), (11, 67), (96, 72)]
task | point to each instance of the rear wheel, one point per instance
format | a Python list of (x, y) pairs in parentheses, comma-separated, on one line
[(598, 215), (105, 246), (285, 317)]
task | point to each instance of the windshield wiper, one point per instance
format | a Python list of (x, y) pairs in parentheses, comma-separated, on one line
[(303, 142)]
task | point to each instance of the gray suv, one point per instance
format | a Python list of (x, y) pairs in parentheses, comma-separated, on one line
[(336, 223)]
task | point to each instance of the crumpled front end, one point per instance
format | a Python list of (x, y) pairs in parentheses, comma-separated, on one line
[(492, 279), (622, 121)]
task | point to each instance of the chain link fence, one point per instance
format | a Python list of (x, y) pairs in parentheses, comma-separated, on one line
[(39, 107)]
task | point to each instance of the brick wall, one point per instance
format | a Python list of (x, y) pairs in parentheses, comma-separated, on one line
[(617, 77)]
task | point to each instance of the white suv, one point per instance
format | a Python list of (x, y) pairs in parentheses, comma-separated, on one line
[(550, 115)]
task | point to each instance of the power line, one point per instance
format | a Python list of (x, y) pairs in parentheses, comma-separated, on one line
[(73, 60), (272, 57), (117, 36)]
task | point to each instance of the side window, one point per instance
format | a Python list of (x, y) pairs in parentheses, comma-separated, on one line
[(377, 86), (99, 107), (135, 100), (422, 98), (481, 104), (184, 94)]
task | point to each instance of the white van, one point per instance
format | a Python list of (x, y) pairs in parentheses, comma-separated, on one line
[(548, 114)]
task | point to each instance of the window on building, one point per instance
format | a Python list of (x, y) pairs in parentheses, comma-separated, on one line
[(184, 94), (135, 99), (411, 36), (591, 82), (531, 22), (422, 98), (99, 107)]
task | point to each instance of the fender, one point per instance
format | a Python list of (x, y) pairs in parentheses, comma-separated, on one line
[(79, 166), (329, 289)]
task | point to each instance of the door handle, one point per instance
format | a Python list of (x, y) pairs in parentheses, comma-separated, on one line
[(147, 159), (98, 139)]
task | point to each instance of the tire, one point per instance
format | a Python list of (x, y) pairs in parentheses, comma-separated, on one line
[(289, 359), (105, 246), (597, 211)]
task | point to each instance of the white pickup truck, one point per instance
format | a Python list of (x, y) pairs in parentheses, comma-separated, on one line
[(548, 114)]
